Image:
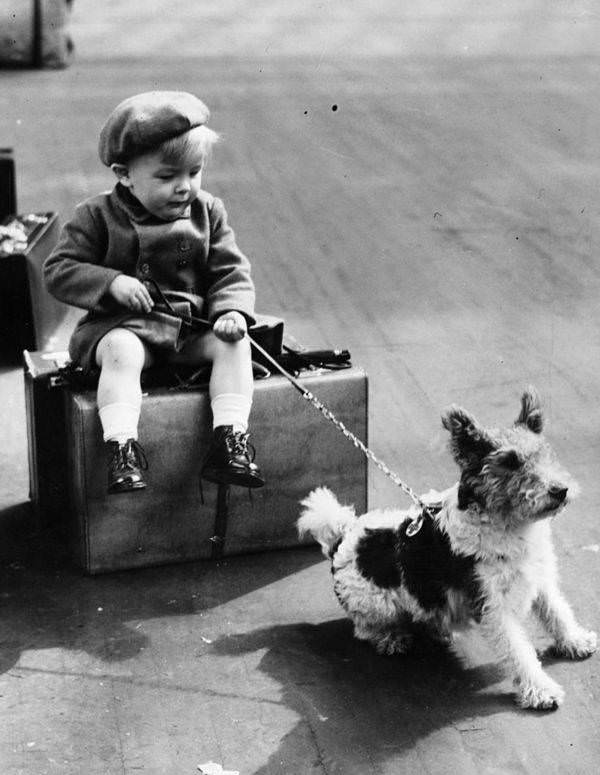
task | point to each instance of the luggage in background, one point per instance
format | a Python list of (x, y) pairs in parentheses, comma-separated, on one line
[(30, 318), (8, 184), (34, 33)]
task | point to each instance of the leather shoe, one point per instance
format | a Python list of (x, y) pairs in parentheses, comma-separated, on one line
[(125, 466), (228, 460)]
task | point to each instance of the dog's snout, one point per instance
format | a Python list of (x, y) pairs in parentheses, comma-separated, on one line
[(559, 492)]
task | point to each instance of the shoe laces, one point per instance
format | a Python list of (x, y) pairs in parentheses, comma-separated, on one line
[(238, 444), (131, 456)]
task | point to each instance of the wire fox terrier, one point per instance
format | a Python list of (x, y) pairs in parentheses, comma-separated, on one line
[(485, 554)]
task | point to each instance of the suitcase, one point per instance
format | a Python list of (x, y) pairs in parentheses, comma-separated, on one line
[(46, 436), (30, 318), (167, 522), (33, 33)]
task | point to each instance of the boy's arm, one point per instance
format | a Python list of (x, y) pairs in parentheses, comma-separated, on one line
[(74, 272), (230, 285)]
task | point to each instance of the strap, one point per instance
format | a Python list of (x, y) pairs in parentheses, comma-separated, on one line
[(221, 518), (36, 34), (158, 291)]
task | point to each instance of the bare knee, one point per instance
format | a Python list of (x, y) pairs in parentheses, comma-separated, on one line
[(121, 350), (230, 350), (209, 348)]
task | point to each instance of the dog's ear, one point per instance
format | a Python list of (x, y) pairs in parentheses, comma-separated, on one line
[(531, 411), (469, 442)]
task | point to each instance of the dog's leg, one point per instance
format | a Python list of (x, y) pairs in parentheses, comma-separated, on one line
[(388, 639), (535, 689), (571, 640), (437, 629)]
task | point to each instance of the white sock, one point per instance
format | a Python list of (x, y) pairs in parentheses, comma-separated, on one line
[(119, 421), (231, 409)]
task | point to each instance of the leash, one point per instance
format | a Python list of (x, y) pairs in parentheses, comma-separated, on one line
[(424, 509), (417, 521)]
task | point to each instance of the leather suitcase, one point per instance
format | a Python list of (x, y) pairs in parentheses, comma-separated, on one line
[(297, 447), (30, 318), (298, 450), (46, 437), (34, 33)]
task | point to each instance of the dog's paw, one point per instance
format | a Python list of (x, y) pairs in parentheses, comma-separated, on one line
[(390, 645), (545, 696), (580, 646), (439, 636)]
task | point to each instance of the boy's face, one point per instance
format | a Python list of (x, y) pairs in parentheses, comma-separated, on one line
[(164, 187)]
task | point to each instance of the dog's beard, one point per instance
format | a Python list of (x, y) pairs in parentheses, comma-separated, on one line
[(552, 510)]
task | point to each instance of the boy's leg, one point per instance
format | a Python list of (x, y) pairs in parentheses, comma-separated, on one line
[(121, 356), (231, 388)]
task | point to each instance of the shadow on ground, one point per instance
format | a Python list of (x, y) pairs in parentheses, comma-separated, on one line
[(356, 708), (46, 603)]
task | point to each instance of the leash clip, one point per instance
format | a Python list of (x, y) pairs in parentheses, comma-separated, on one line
[(429, 509), (415, 525)]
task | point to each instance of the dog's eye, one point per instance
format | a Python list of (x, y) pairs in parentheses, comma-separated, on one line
[(510, 460)]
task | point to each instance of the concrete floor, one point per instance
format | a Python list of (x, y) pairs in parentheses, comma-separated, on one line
[(441, 223)]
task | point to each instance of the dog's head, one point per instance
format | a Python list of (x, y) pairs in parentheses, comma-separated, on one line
[(510, 473)]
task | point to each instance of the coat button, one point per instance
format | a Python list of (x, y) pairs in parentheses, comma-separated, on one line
[(184, 245), (181, 262)]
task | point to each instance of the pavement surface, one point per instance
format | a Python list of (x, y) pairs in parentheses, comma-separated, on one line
[(417, 183)]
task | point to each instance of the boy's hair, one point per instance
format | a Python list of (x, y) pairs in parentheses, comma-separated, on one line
[(200, 139)]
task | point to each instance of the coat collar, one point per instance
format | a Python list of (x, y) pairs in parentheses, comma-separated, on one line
[(135, 210)]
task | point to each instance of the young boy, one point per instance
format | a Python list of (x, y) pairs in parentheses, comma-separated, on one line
[(158, 235)]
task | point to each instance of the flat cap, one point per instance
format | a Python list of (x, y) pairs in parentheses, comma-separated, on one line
[(144, 121)]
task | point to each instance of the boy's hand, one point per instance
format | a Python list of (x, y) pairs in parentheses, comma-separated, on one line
[(230, 327), (131, 293)]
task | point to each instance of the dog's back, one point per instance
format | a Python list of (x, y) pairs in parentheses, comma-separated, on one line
[(325, 518)]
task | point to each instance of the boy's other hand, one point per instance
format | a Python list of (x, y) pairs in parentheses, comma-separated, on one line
[(230, 327), (131, 293)]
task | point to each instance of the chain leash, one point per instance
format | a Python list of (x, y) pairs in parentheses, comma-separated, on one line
[(327, 413), (417, 521)]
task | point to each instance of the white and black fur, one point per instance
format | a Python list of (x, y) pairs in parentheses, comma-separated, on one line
[(485, 556)]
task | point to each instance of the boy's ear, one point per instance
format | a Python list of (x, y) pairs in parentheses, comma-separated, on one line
[(122, 173), (469, 442)]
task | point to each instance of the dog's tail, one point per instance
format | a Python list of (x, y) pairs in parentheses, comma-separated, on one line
[(325, 519)]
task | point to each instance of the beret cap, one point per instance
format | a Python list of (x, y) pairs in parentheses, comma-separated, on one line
[(142, 122)]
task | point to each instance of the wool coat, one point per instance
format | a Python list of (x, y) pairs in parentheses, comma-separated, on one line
[(195, 260)]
